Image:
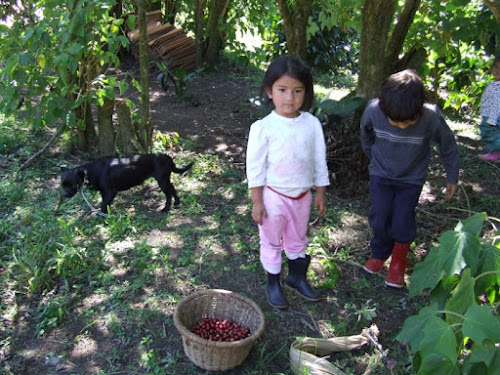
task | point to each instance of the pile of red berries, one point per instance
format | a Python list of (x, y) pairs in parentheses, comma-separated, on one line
[(214, 329)]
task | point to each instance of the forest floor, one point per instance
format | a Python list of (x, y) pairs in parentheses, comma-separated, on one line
[(124, 325)]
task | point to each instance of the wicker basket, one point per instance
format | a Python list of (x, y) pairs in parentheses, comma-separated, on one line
[(220, 304)]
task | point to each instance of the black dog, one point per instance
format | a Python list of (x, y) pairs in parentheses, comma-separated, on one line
[(111, 175)]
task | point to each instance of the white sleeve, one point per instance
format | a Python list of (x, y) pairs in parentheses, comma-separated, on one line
[(256, 161), (320, 167)]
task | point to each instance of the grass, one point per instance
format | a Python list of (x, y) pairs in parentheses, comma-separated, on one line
[(87, 295)]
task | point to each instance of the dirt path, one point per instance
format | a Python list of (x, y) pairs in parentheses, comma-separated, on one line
[(214, 116)]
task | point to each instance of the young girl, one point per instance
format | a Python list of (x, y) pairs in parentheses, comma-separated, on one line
[(286, 157), (490, 113)]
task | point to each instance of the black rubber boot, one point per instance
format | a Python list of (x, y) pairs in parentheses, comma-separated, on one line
[(297, 280), (275, 295)]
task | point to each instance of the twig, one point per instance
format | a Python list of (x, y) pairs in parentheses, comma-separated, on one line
[(441, 217), (313, 321), (349, 262), (314, 221), (466, 197), (381, 352), (469, 211), (44, 148), (493, 164)]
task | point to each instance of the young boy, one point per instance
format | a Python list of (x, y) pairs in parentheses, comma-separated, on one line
[(397, 130)]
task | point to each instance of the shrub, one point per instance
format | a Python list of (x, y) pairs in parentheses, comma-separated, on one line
[(459, 331)]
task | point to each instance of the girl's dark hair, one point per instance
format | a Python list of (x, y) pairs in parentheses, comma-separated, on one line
[(402, 96), (293, 67)]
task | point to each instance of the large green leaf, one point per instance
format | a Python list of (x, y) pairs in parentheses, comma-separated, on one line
[(427, 273), (461, 299), (473, 224), (453, 246), (438, 338), (435, 364), (480, 324), (413, 326)]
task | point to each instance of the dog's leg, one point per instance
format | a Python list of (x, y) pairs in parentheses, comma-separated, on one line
[(107, 199), (169, 191), (173, 193)]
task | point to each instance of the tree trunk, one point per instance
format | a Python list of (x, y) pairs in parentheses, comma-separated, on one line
[(86, 134), (405, 19), (170, 11), (199, 17), (216, 19), (295, 22), (127, 141), (494, 6), (379, 55), (151, 5), (377, 17), (106, 130), (118, 9), (145, 131)]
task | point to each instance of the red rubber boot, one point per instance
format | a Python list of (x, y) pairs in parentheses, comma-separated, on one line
[(396, 274)]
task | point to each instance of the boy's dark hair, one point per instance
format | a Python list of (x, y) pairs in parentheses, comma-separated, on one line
[(402, 96), (293, 67)]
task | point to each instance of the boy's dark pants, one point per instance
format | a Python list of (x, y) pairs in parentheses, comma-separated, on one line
[(392, 215)]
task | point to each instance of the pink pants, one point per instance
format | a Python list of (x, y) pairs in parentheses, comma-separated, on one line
[(285, 228)]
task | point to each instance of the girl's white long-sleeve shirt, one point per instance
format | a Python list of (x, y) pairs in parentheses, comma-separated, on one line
[(287, 154), (490, 103)]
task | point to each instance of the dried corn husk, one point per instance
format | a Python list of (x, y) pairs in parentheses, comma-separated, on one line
[(307, 354)]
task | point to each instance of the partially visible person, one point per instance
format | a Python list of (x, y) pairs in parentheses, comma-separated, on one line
[(490, 115), (397, 130), (286, 157)]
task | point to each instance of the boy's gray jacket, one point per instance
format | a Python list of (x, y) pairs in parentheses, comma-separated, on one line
[(403, 154)]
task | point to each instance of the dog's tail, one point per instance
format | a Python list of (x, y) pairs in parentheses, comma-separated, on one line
[(182, 170)]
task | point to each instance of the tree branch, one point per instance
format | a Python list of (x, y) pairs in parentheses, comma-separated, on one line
[(494, 6), (44, 148), (398, 36)]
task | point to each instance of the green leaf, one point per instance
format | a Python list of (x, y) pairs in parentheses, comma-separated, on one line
[(480, 324), (75, 48), (131, 19), (413, 326), (123, 86), (434, 364), (474, 224), (440, 294), (427, 273), (341, 108), (454, 245), (489, 260), (483, 360), (462, 298), (438, 338)]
